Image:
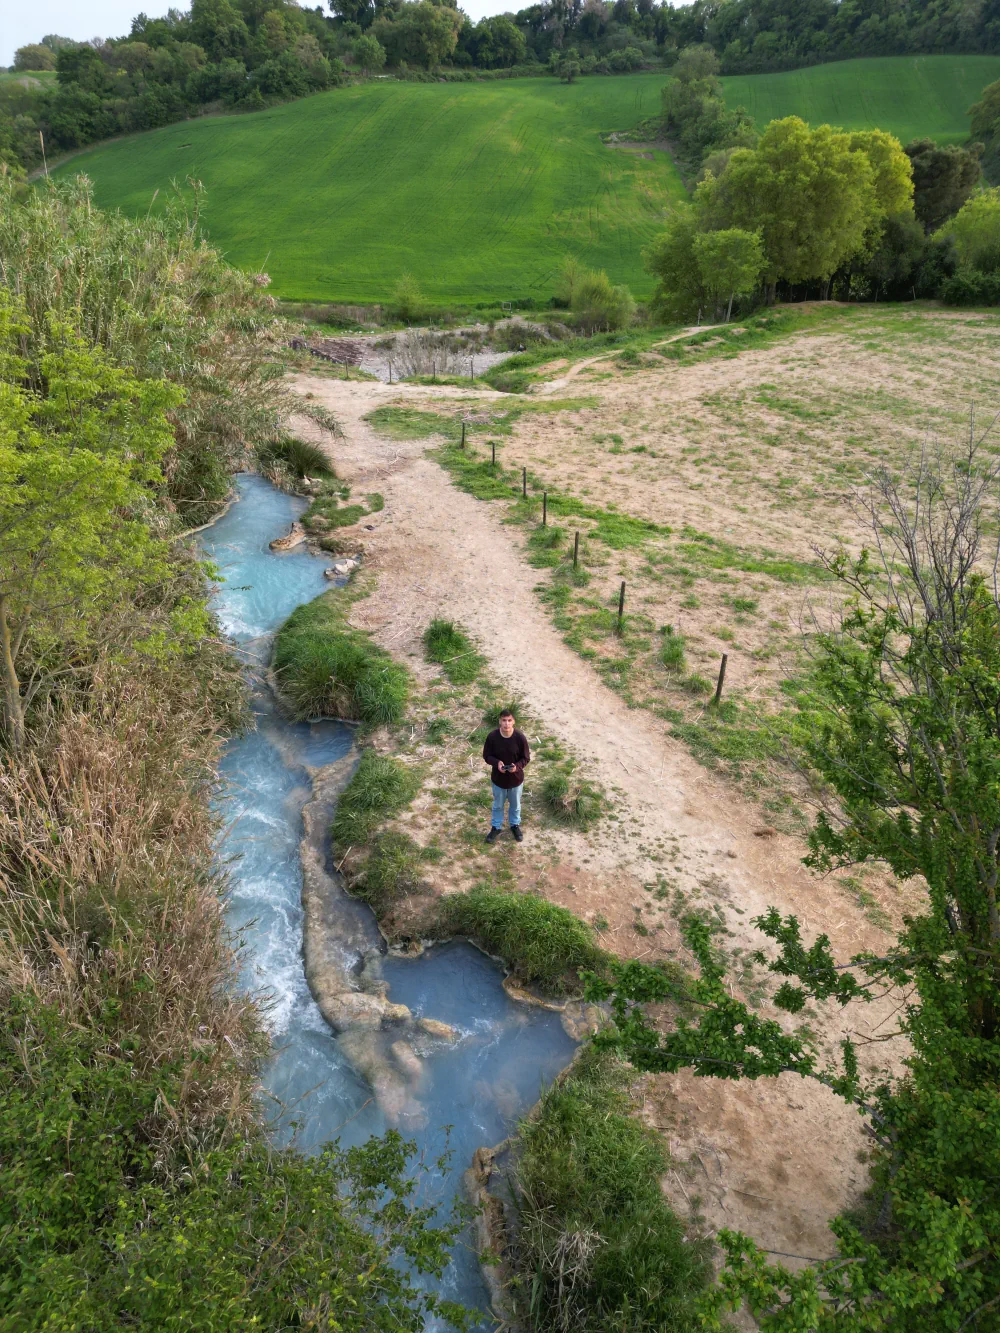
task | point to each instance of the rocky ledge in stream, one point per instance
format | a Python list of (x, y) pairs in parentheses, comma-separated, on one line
[(382, 1040)]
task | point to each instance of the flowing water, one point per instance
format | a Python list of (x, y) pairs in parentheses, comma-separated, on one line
[(505, 1052)]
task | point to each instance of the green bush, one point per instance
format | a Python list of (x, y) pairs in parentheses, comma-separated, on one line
[(103, 1227), (299, 457), (571, 800), (327, 669), (599, 1247), (540, 942), (380, 788), (452, 649)]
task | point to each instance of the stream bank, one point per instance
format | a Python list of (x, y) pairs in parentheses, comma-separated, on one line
[(355, 1054)]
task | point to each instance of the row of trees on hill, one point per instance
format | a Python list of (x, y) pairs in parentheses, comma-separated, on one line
[(814, 210), (251, 53)]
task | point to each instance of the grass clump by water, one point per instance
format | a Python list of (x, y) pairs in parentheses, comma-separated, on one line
[(541, 943), (381, 787), (299, 458), (451, 648), (327, 669), (599, 1247), (391, 871)]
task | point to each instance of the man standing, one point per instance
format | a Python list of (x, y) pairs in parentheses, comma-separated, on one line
[(506, 751)]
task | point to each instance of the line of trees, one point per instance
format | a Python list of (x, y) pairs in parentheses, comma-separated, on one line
[(248, 54)]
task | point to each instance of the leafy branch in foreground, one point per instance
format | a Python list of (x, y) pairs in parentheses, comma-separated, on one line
[(903, 725)]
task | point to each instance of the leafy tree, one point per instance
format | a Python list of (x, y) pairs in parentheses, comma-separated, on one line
[(407, 299), (671, 258), (976, 232), (729, 261), (423, 33), (811, 197), (77, 454), (34, 57), (901, 724), (369, 54), (498, 43), (695, 111), (985, 114), (943, 179), (600, 305)]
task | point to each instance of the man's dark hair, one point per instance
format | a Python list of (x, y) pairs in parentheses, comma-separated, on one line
[(506, 713)]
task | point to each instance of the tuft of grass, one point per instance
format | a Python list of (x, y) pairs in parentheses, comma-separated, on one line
[(438, 730), (380, 788), (599, 1247), (541, 943), (298, 457), (572, 801), (672, 649), (391, 871), (452, 649), (327, 669)]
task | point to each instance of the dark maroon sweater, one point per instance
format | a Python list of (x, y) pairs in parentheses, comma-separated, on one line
[(506, 750)]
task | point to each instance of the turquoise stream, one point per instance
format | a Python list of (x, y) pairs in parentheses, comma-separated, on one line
[(506, 1052)]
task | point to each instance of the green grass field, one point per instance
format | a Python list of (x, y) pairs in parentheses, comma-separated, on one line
[(480, 189), (911, 96)]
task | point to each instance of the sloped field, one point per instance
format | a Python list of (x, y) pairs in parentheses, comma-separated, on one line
[(911, 96), (479, 189)]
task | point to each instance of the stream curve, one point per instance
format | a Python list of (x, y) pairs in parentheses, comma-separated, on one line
[(335, 1076)]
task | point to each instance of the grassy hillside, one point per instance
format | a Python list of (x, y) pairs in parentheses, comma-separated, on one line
[(478, 189), (911, 96)]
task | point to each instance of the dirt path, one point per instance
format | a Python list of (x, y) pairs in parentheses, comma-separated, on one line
[(439, 552), (554, 387)]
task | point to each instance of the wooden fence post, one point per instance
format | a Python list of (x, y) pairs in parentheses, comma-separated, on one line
[(722, 677), (621, 608), (524, 483), (576, 550), (462, 445), (494, 446), (545, 509)]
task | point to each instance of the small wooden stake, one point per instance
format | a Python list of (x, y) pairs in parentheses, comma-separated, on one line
[(472, 369), (722, 677), (390, 372), (545, 509), (621, 607), (524, 483), (576, 550), (494, 445), (463, 435)]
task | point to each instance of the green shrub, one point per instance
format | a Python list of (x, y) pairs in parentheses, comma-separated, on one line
[(103, 1227), (571, 800), (327, 669), (408, 302), (672, 650), (391, 871), (540, 942), (745, 604), (380, 788), (599, 1247), (452, 649), (438, 730), (299, 457), (695, 684)]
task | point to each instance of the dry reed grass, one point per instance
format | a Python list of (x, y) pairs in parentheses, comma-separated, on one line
[(110, 902)]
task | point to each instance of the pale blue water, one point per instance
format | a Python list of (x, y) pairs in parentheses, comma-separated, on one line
[(505, 1053)]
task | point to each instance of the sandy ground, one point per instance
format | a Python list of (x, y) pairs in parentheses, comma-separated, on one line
[(775, 1159)]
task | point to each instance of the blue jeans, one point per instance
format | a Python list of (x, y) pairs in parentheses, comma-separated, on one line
[(500, 795)]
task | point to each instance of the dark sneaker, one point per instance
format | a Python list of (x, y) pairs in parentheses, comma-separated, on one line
[(516, 831), (493, 834)]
